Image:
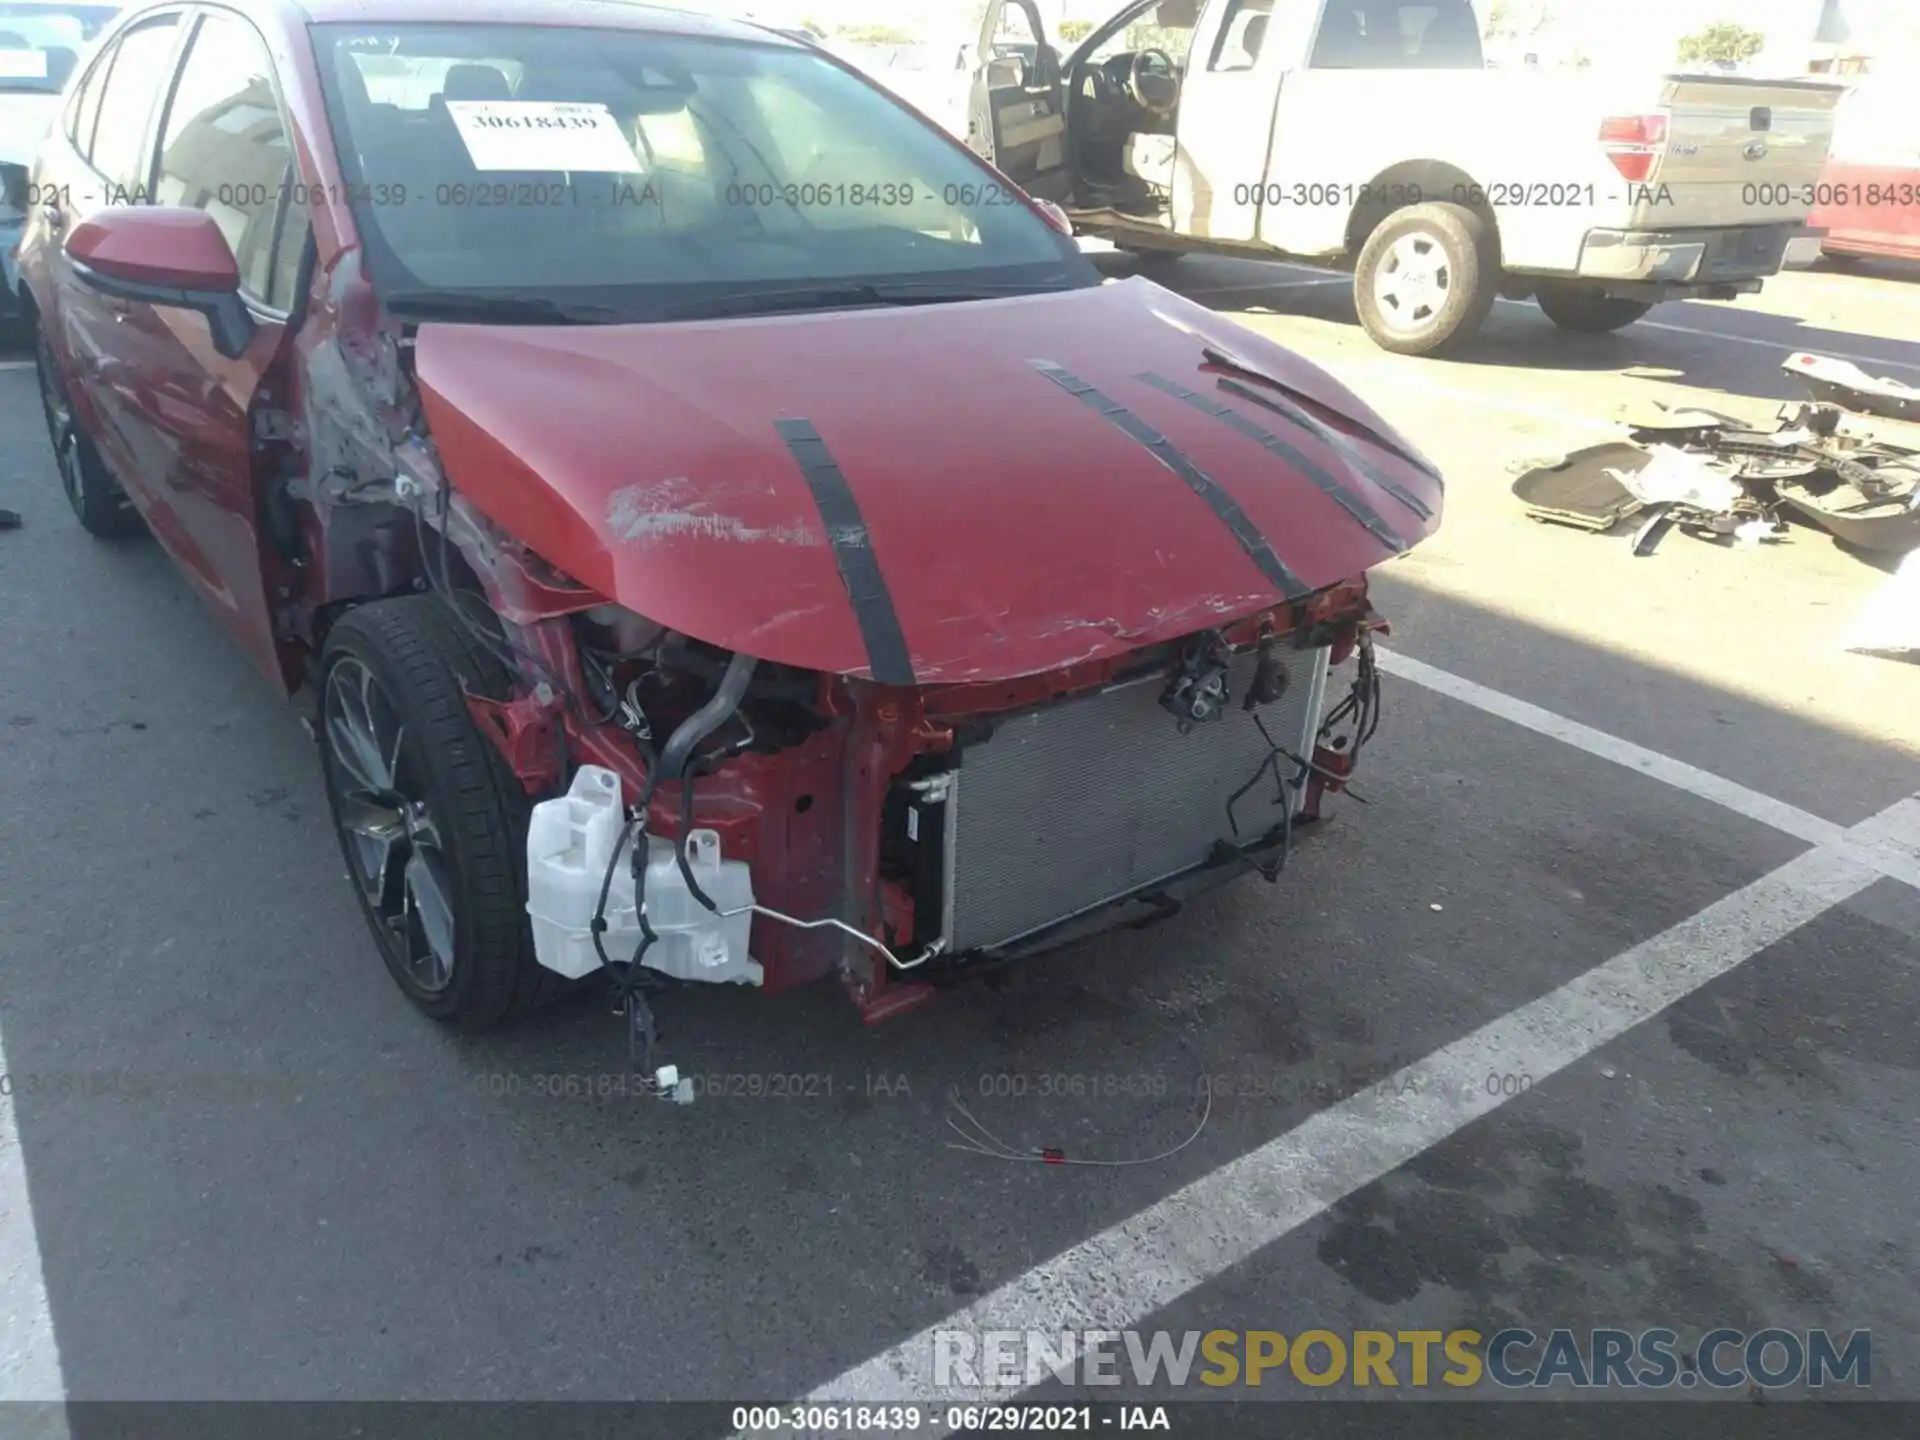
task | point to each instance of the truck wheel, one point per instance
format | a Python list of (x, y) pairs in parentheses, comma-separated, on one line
[(1426, 279), (432, 822), (1586, 310), (102, 506)]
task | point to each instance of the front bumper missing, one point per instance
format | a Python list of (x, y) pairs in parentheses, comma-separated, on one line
[(1141, 909)]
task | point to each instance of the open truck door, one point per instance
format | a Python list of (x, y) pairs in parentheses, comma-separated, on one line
[(1229, 93), (1017, 113)]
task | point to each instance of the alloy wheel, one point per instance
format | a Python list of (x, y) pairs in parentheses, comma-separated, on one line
[(393, 841), (61, 431)]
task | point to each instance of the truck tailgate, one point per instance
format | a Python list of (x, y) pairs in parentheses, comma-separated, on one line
[(1738, 152)]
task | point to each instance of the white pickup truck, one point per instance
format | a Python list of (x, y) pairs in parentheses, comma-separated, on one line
[(1370, 133)]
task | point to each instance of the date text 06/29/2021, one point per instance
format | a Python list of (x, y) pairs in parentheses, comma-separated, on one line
[(904, 1419)]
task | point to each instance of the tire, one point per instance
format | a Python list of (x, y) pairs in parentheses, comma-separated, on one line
[(102, 506), (463, 811), (1584, 310), (1451, 245)]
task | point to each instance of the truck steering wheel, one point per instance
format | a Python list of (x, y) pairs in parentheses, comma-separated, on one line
[(1154, 71)]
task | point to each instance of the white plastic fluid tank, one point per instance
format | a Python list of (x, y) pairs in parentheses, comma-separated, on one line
[(694, 942), (570, 841)]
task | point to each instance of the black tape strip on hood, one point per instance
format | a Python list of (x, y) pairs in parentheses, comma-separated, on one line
[(1339, 442), (888, 659), (1223, 505), (1323, 480)]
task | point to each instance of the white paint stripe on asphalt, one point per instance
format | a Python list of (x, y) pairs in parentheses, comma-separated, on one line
[(1867, 362), (16, 364), (1271, 285), (1677, 773), (1867, 845), (1119, 1278), (1335, 277), (29, 1354)]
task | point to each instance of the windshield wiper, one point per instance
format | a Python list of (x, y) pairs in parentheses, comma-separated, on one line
[(497, 309), (842, 297)]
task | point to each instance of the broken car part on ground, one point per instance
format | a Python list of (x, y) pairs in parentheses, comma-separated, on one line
[(695, 586), (1825, 464)]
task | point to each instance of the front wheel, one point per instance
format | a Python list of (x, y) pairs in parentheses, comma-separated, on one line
[(431, 820), (1587, 310), (102, 507), (1426, 278)]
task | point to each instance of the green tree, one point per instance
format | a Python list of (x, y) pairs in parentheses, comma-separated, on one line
[(876, 35), (1722, 40), (1075, 29), (1516, 19)]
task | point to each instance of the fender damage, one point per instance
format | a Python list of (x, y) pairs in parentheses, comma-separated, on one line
[(976, 519)]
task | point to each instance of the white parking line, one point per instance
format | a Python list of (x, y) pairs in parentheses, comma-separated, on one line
[(29, 1355), (1868, 847), (1867, 362), (1119, 1278), (16, 364), (1335, 277), (1272, 285), (1677, 773)]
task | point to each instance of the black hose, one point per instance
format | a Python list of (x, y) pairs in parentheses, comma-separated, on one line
[(680, 847), (673, 760), (708, 718)]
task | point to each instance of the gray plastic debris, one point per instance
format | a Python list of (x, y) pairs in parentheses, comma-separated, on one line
[(1682, 477)]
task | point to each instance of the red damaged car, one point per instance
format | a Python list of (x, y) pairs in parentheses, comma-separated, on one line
[(717, 521)]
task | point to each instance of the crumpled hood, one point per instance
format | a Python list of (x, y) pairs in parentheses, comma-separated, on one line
[(927, 494)]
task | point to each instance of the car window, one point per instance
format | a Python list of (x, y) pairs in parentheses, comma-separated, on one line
[(639, 171), (1168, 26), (1398, 35), (289, 251), (409, 82), (85, 110), (225, 149), (1014, 36), (1242, 35), (41, 43), (121, 138)]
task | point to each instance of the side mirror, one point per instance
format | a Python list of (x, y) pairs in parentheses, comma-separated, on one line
[(165, 255)]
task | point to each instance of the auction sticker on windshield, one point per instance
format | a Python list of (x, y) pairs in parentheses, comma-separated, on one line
[(542, 135), (23, 64)]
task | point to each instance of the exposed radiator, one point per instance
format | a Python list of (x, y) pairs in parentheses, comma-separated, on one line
[(1076, 804)]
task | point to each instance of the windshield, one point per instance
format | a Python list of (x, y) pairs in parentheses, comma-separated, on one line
[(627, 174), (40, 44)]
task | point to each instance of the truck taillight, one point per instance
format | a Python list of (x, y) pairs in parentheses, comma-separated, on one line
[(1634, 143)]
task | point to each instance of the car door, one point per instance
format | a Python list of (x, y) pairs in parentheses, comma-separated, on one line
[(223, 148), (1224, 126), (105, 163), (1016, 116)]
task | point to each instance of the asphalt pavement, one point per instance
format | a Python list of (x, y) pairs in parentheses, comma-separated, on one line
[(1670, 914)]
